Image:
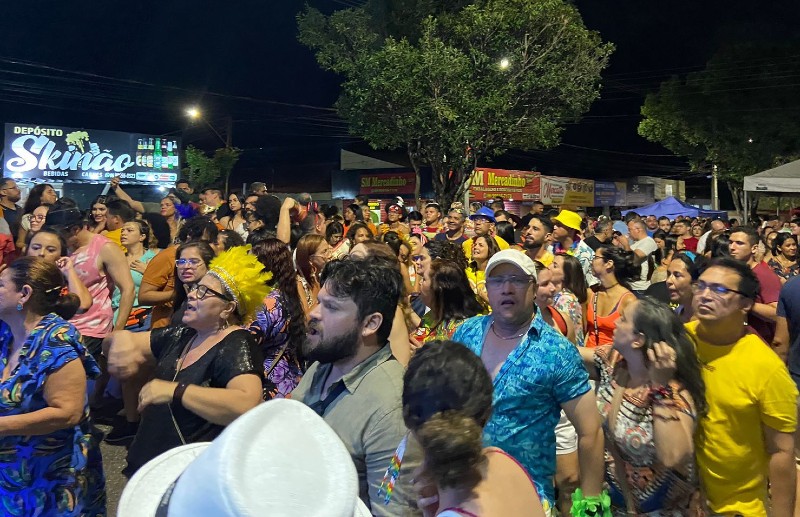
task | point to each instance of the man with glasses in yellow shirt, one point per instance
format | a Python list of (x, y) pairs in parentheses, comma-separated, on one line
[(747, 438)]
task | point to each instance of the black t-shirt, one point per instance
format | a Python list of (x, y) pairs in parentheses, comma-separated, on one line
[(235, 355), (11, 215), (443, 237), (593, 242)]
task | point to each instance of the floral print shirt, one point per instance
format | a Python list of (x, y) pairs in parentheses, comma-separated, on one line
[(271, 328), (543, 372)]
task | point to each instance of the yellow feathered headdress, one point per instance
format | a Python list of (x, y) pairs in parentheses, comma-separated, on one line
[(243, 277)]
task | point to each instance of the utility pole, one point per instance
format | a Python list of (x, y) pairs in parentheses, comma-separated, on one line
[(714, 189)]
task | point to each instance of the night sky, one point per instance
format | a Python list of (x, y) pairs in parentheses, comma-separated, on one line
[(135, 66)]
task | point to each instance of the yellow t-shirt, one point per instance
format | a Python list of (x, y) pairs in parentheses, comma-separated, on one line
[(115, 236), (747, 385), (467, 246)]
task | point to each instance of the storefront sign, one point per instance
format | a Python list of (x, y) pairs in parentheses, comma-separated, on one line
[(605, 193), (508, 184), (71, 154), (640, 194), (567, 191), (393, 183)]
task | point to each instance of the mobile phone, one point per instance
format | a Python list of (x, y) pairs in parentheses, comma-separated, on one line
[(104, 195)]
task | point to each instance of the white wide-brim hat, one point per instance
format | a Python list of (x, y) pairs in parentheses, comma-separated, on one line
[(279, 459)]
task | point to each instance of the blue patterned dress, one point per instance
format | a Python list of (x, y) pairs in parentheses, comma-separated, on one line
[(61, 473)]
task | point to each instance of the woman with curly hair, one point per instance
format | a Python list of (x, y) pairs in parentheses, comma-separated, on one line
[(447, 400), (280, 324)]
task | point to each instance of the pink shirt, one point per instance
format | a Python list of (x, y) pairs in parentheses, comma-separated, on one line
[(98, 321)]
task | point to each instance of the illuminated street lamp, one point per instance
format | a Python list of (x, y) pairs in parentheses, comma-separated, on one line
[(194, 113), (504, 63)]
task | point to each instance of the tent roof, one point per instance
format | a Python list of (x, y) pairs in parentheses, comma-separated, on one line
[(672, 207), (785, 178)]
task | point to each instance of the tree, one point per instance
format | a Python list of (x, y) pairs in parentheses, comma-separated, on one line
[(739, 114), (459, 85), (204, 171)]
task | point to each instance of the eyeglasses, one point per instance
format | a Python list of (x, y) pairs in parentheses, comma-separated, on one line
[(518, 281), (717, 290), (192, 262), (38, 217), (203, 290), (417, 258)]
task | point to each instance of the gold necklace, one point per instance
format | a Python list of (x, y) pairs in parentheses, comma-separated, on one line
[(494, 331)]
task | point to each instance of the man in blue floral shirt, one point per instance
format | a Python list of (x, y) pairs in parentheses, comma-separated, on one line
[(536, 373)]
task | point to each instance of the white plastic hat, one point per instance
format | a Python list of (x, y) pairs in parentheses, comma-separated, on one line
[(280, 459)]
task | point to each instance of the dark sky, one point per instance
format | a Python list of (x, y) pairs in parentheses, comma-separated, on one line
[(135, 66)]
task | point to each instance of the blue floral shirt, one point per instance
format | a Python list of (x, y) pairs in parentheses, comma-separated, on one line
[(541, 373)]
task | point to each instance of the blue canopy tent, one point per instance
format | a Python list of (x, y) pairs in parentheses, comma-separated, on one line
[(672, 208)]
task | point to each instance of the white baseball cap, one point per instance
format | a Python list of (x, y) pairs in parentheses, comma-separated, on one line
[(514, 257)]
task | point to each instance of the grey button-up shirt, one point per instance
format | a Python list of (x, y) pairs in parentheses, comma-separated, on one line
[(368, 417)]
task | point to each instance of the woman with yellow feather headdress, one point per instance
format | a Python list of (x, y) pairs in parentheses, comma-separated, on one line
[(208, 370)]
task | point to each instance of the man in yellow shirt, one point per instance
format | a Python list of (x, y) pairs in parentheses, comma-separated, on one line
[(747, 438), (484, 225)]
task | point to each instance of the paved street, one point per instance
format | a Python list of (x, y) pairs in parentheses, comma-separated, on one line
[(113, 463)]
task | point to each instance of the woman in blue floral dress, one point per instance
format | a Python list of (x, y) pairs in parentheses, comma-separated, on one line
[(50, 464)]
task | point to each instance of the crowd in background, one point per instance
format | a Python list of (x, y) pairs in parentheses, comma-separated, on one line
[(471, 361)]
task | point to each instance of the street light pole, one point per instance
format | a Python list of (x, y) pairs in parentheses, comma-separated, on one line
[(714, 189)]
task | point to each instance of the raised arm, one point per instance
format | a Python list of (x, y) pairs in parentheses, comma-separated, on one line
[(284, 228), (136, 205), (74, 283)]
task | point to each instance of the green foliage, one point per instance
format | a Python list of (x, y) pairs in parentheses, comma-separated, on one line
[(204, 171), (439, 91), (745, 93)]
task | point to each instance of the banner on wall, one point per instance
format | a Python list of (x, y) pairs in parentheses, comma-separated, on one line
[(392, 183), (640, 194), (58, 153), (605, 193), (567, 191), (509, 184)]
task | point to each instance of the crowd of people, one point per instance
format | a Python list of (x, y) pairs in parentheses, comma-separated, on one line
[(469, 361)]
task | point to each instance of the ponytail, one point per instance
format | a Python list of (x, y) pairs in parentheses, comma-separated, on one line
[(453, 448)]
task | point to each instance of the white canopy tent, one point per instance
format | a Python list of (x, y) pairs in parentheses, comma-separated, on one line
[(780, 180)]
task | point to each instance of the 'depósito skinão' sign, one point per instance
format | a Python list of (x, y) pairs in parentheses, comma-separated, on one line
[(70, 154)]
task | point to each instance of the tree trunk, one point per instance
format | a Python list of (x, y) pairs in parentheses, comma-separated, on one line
[(736, 193)]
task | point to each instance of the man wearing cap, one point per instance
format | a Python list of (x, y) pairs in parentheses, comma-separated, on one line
[(566, 228), (536, 374), (355, 383), (484, 225)]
